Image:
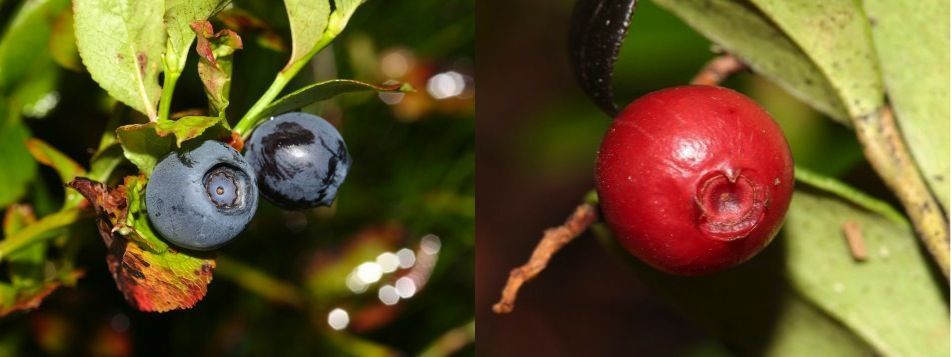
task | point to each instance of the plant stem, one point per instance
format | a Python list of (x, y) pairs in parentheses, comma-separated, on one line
[(168, 88), (554, 239), (251, 118), (43, 229), (452, 341), (850, 194), (718, 69), (886, 151), (258, 282)]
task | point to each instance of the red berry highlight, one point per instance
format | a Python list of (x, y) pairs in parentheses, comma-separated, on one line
[(694, 179)]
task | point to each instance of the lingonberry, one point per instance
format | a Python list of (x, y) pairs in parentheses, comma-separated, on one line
[(694, 179)]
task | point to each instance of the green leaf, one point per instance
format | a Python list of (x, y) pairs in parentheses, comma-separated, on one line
[(105, 161), (179, 14), (308, 20), (892, 299), (751, 307), (746, 33), (325, 90), (64, 166), (37, 95), (26, 265), (343, 10), (190, 127), (25, 39), (214, 64), (912, 45), (143, 146), (18, 167), (836, 37), (63, 42), (121, 44), (136, 225)]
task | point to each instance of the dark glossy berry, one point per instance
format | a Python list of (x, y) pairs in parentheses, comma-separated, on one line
[(694, 179), (201, 198), (300, 160)]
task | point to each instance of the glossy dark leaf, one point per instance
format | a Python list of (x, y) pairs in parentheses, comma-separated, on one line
[(598, 28)]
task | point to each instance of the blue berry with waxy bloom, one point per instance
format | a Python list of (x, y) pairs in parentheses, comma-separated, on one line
[(201, 198), (300, 160)]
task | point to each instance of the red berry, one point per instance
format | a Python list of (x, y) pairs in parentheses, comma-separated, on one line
[(694, 179)]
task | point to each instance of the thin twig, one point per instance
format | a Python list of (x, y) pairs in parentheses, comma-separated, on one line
[(886, 151), (718, 69), (553, 240), (452, 341)]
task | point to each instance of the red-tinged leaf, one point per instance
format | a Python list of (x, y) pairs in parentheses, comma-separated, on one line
[(203, 30), (244, 22), (159, 282), (214, 65), (110, 205), (29, 299), (151, 275)]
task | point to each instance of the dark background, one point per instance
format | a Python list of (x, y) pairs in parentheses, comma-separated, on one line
[(536, 142)]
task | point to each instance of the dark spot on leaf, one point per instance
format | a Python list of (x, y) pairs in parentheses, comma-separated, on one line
[(142, 61), (135, 273)]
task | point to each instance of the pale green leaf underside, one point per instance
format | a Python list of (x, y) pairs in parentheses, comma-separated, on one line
[(308, 20), (835, 36), (891, 300), (911, 38), (121, 44), (746, 33), (343, 10), (179, 14)]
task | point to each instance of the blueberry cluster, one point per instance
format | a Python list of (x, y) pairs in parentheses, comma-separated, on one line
[(201, 197)]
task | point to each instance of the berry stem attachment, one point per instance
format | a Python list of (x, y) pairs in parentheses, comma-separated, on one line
[(252, 117), (554, 239), (168, 89), (718, 69)]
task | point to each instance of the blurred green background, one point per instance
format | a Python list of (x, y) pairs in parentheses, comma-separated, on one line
[(315, 282), (537, 139)]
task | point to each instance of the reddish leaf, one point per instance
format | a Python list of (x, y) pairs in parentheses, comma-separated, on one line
[(155, 280)]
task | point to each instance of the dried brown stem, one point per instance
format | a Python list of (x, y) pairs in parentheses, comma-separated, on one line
[(718, 69), (553, 240), (853, 236), (886, 151)]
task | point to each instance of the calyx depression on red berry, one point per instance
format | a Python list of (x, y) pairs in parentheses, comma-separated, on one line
[(694, 179)]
